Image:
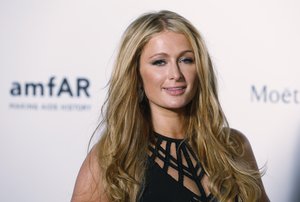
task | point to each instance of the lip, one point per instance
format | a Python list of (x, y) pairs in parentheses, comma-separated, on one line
[(175, 90)]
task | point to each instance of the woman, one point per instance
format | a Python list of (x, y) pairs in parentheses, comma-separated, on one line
[(166, 137)]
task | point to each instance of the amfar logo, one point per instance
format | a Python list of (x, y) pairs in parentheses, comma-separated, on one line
[(51, 88)]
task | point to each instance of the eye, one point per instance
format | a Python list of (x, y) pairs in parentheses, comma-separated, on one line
[(186, 60), (159, 62)]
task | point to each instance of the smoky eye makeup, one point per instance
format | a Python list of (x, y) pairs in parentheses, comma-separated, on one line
[(158, 62), (186, 60)]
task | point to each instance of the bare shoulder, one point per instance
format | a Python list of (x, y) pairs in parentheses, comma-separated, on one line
[(249, 157), (89, 186)]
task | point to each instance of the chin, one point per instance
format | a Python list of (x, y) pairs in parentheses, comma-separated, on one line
[(176, 106)]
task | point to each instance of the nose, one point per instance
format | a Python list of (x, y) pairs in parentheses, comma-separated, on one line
[(174, 72)]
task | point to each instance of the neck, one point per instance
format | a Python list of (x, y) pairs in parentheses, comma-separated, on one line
[(168, 122)]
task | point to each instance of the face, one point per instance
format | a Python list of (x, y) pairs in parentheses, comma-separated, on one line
[(168, 71)]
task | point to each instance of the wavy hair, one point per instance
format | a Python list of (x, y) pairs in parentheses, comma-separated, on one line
[(122, 149)]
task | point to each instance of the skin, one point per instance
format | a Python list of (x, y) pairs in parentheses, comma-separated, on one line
[(89, 185), (169, 80)]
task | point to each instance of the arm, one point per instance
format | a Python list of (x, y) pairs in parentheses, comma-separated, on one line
[(250, 158), (88, 186)]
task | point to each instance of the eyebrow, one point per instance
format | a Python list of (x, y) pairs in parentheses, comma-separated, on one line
[(164, 54)]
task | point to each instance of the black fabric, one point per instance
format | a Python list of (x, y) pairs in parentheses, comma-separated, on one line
[(160, 186)]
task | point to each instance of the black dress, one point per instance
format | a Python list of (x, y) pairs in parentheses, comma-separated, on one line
[(174, 173)]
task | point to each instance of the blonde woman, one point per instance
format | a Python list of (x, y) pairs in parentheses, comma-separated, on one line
[(166, 137)]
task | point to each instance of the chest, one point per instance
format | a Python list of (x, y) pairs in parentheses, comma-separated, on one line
[(174, 173)]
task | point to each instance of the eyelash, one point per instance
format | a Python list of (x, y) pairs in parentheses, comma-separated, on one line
[(186, 60), (159, 62), (163, 62)]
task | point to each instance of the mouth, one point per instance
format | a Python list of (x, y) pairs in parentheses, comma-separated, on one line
[(175, 91)]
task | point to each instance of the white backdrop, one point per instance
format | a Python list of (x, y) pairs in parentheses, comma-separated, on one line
[(64, 46)]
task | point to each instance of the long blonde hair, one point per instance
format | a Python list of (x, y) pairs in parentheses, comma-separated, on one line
[(123, 144)]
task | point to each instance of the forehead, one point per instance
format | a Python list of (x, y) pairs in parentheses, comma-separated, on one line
[(167, 41)]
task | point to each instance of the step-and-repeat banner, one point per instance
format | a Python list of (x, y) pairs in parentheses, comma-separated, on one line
[(56, 58)]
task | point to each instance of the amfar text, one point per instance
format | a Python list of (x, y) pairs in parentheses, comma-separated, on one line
[(51, 88)]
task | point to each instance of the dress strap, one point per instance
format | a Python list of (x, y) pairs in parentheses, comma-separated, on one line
[(177, 158)]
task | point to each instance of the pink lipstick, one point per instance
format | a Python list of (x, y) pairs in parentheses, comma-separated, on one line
[(175, 91)]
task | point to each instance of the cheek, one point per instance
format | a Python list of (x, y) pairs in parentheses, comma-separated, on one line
[(151, 80), (191, 76), (193, 80)]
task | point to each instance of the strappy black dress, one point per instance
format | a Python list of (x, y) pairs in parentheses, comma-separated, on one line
[(174, 173)]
